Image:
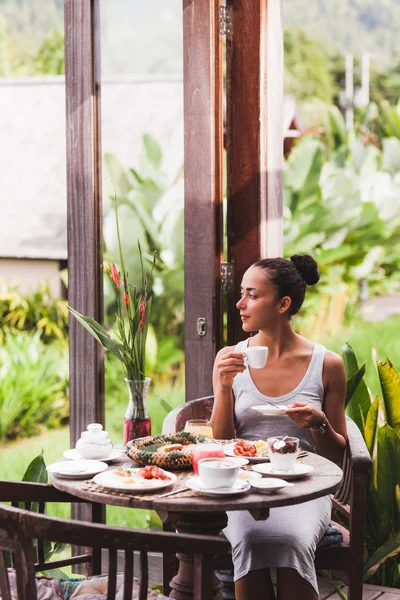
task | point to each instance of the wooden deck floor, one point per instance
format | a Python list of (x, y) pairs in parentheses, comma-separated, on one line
[(370, 592)]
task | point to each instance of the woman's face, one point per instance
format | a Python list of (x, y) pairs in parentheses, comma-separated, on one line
[(259, 304)]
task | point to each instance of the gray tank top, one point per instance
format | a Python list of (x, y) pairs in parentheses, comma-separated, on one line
[(251, 425)]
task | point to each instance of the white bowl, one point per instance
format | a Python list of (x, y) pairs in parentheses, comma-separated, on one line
[(269, 485)]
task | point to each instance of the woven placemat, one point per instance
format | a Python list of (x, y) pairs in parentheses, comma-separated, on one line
[(180, 483)]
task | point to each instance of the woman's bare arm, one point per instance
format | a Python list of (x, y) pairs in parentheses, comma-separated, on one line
[(226, 366), (332, 442)]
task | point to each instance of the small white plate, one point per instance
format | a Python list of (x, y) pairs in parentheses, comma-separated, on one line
[(269, 485), (77, 469), (300, 470), (133, 483), (269, 411), (248, 475), (73, 454), (239, 487), (228, 449)]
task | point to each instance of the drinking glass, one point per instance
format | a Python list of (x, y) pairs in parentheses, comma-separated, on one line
[(206, 451), (282, 451), (199, 426)]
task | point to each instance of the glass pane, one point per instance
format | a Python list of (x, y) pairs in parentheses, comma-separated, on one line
[(142, 143)]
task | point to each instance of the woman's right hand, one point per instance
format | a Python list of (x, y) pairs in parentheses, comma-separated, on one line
[(229, 365)]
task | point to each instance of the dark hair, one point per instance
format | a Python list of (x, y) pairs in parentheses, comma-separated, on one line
[(290, 277)]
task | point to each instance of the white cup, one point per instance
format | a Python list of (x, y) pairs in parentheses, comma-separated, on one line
[(218, 472), (256, 357)]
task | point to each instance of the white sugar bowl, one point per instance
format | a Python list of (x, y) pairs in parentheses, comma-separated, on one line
[(94, 443)]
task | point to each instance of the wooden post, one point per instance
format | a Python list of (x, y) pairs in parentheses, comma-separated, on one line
[(254, 140), (202, 67), (85, 280)]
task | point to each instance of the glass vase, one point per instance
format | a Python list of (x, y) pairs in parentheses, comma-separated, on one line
[(137, 422)]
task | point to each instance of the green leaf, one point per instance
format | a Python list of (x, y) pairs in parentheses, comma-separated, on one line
[(388, 473), (304, 167), (371, 423), (36, 471), (99, 333), (360, 398), (390, 383), (153, 151), (390, 548), (353, 382)]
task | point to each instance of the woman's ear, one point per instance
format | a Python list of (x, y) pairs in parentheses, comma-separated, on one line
[(284, 304)]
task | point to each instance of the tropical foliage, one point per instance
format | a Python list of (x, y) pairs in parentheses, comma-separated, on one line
[(151, 211), (33, 385), (35, 311), (342, 205), (379, 422)]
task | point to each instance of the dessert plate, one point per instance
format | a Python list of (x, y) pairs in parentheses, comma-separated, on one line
[(77, 469), (269, 485), (300, 470), (132, 482), (228, 449), (73, 454), (239, 487), (269, 411)]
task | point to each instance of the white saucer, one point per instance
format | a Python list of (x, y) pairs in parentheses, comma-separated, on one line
[(269, 485), (73, 454), (239, 487), (228, 449), (300, 470), (77, 469), (269, 411)]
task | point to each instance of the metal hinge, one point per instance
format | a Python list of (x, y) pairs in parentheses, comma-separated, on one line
[(226, 20), (227, 277)]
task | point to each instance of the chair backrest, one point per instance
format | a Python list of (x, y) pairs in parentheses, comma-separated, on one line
[(19, 527), (201, 408)]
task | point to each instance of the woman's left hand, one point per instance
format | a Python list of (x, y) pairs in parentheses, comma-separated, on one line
[(304, 415)]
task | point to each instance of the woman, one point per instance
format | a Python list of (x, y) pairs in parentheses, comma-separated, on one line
[(310, 383)]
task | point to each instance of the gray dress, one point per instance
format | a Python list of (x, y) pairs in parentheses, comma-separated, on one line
[(289, 537)]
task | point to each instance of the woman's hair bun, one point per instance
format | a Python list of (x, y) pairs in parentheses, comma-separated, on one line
[(307, 267)]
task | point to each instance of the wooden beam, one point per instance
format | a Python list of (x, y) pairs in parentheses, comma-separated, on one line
[(85, 280), (202, 67), (254, 140)]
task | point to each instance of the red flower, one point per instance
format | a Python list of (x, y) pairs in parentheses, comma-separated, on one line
[(126, 295), (142, 314), (115, 276)]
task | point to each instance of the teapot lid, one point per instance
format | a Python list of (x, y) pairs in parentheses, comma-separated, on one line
[(94, 427)]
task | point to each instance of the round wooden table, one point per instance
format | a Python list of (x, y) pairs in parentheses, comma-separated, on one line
[(207, 515)]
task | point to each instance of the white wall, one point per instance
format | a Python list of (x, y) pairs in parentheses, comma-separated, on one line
[(28, 274)]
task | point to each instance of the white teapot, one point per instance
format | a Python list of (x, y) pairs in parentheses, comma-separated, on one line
[(94, 443)]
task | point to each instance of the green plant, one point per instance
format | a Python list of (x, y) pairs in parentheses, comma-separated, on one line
[(132, 316), (379, 422), (33, 385), (37, 311)]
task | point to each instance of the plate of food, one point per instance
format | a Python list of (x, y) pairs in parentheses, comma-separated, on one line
[(142, 479), (255, 451), (170, 451)]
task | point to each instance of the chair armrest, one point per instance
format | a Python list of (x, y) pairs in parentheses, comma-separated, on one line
[(201, 408), (356, 465), (26, 491)]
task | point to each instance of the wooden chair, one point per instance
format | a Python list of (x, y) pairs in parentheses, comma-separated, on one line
[(349, 502), (20, 527)]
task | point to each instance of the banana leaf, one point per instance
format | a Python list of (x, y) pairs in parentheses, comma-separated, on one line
[(390, 548), (370, 428), (304, 167), (360, 398), (378, 521), (388, 474), (390, 383)]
